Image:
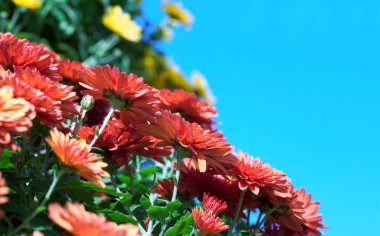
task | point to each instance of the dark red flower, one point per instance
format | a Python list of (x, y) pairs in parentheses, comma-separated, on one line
[(96, 115), (194, 183), (123, 141)]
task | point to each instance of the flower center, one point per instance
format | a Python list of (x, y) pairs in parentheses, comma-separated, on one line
[(182, 151), (116, 101)]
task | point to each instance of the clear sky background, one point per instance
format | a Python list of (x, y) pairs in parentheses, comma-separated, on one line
[(298, 85)]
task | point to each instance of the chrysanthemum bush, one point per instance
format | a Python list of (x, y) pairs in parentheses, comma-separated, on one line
[(97, 151), (89, 148)]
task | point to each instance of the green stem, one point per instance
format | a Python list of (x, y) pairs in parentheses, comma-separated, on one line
[(249, 228), (79, 124), (267, 216), (177, 174), (142, 230), (114, 183), (257, 225), (132, 182), (41, 207), (237, 214), (106, 120), (15, 16)]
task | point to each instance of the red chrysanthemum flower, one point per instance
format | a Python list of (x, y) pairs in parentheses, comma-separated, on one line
[(61, 93), (194, 183), (76, 154), (79, 222), (302, 216), (189, 105), (123, 141), (20, 52), (206, 219), (191, 140), (71, 69), (16, 115), (52, 100), (212, 204), (125, 92), (261, 178), (164, 188), (3, 191)]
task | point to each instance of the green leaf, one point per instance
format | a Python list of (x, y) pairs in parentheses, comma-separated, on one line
[(80, 183), (82, 195), (6, 160), (121, 218), (158, 213), (148, 171), (97, 132), (173, 205), (145, 202), (182, 227)]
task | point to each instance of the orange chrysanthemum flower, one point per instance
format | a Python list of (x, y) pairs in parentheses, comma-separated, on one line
[(261, 178), (206, 219), (20, 52), (76, 154), (125, 92), (79, 222), (191, 107), (3, 191), (191, 140), (52, 100), (302, 218), (16, 115), (123, 141), (71, 69)]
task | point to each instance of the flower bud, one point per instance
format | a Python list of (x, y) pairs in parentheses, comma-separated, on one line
[(87, 102)]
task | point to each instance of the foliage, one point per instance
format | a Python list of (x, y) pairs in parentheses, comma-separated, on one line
[(74, 29)]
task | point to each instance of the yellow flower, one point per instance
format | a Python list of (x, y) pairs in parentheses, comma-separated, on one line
[(200, 86), (122, 24), (31, 4), (177, 13)]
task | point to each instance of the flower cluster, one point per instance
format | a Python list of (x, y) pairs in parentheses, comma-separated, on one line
[(125, 145)]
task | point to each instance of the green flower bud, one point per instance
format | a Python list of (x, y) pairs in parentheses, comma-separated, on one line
[(87, 102)]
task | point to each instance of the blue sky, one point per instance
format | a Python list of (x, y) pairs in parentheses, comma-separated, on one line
[(298, 85)]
